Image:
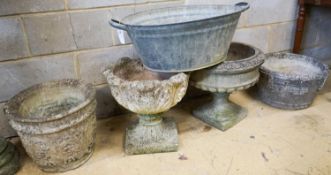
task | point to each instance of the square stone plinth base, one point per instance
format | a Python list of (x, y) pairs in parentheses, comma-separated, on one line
[(221, 117), (157, 138)]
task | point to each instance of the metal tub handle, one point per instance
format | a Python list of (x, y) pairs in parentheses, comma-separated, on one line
[(243, 5), (118, 25)]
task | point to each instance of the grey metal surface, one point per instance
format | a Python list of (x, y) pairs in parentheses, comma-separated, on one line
[(185, 38), (290, 81)]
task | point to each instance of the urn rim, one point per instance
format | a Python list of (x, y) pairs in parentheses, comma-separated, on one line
[(11, 108)]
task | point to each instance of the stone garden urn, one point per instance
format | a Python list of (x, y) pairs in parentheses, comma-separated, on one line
[(56, 123), (148, 94), (238, 72), (9, 158)]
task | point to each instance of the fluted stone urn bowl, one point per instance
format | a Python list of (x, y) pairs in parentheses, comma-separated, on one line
[(238, 72), (148, 94)]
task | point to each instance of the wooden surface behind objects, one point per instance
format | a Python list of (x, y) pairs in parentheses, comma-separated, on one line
[(268, 141)]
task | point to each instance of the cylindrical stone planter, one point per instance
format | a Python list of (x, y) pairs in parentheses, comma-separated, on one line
[(56, 123)]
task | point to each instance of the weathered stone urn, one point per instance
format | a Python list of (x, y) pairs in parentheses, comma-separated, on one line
[(9, 158), (148, 94), (238, 72), (56, 123)]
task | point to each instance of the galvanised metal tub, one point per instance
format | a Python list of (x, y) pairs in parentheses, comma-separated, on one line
[(184, 38), (290, 81)]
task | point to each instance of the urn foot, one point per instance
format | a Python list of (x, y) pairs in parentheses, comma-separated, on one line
[(152, 134), (220, 113)]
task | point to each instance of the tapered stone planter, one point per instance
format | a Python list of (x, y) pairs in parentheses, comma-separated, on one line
[(148, 94), (9, 158), (239, 72), (56, 123)]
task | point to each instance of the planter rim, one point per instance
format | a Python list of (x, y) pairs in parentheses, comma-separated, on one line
[(118, 81), (280, 55), (12, 106), (173, 86), (241, 65), (127, 21)]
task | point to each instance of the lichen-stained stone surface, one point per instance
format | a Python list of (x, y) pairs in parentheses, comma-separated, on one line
[(151, 138), (142, 91), (220, 112), (238, 72), (149, 94), (56, 123)]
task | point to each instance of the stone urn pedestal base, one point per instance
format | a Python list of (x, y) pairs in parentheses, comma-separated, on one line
[(238, 72), (220, 112), (147, 94), (151, 134)]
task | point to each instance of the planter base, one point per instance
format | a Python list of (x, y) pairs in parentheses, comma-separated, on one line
[(220, 113), (152, 134), (77, 164)]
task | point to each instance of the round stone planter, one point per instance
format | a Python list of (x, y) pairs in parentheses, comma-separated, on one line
[(56, 123), (290, 81), (238, 72), (9, 158), (148, 94)]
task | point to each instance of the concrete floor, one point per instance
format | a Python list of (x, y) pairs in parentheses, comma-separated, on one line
[(268, 142)]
